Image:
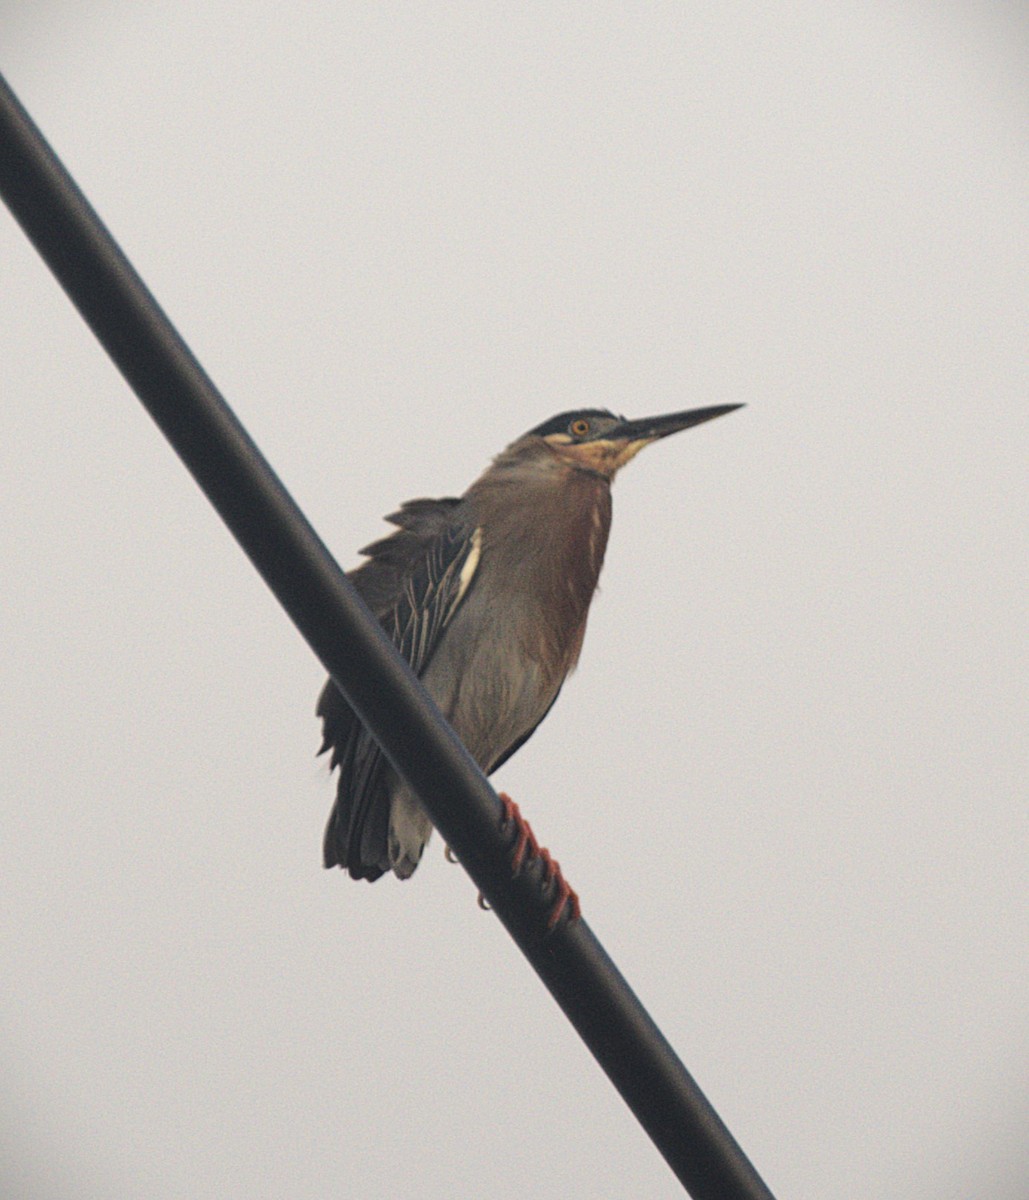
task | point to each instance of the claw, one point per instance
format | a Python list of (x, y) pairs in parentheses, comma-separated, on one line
[(449, 855), (565, 894)]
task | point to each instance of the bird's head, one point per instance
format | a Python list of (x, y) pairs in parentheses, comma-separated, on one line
[(595, 440)]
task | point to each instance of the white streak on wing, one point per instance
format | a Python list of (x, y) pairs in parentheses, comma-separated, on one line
[(469, 568)]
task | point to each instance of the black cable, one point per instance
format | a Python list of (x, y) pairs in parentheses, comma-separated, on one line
[(347, 639)]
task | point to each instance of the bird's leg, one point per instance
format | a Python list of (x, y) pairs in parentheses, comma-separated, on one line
[(526, 848), (525, 842)]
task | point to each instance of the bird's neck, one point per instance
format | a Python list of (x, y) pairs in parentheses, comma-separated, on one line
[(549, 529)]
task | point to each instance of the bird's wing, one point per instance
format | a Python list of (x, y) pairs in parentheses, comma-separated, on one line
[(518, 743), (430, 564), (431, 593)]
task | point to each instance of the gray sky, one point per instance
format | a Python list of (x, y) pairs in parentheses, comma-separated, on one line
[(789, 779)]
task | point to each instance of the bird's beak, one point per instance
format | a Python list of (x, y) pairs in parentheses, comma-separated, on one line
[(649, 429)]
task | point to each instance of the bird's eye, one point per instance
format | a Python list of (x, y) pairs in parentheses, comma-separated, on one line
[(579, 427)]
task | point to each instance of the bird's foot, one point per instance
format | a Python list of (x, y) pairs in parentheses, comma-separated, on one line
[(526, 848)]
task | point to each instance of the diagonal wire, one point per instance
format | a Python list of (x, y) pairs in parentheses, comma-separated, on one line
[(359, 656)]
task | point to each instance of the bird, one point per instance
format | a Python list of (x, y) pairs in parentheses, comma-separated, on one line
[(487, 597)]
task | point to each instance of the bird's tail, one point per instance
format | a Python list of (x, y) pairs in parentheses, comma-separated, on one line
[(357, 834)]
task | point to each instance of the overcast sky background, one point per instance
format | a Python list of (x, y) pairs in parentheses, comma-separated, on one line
[(789, 778)]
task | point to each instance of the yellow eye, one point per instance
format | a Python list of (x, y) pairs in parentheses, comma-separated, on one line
[(579, 427)]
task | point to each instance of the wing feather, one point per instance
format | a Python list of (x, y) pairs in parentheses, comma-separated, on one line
[(428, 588)]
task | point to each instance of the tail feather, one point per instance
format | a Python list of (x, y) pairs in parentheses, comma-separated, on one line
[(364, 852), (357, 833)]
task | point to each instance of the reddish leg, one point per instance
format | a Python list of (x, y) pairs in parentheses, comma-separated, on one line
[(526, 848)]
